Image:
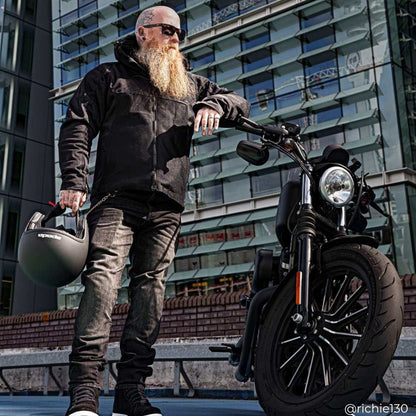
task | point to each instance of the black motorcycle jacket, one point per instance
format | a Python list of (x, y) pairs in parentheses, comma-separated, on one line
[(144, 138)]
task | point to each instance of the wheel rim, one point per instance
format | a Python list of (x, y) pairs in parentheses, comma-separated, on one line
[(308, 362)]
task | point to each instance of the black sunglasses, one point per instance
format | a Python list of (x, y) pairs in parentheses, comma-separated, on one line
[(169, 30)]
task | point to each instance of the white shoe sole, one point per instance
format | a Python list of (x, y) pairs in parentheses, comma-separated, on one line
[(123, 414), (83, 413)]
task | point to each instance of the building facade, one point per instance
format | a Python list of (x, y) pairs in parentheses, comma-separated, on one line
[(343, 71), (26, 142)]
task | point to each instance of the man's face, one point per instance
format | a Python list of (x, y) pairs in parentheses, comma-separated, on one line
[(158, 36)]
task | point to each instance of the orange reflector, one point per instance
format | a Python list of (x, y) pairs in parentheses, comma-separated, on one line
[(298, 287)]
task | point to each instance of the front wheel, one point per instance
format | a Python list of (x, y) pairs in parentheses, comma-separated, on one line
[(356, 319)]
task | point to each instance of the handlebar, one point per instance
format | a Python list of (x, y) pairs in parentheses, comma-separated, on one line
[(284, 138), (248, 126), (267, 131)]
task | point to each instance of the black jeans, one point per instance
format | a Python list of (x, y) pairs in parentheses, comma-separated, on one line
[(147, 232)]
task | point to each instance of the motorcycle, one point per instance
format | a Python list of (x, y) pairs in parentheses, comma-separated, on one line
[(324, 318)]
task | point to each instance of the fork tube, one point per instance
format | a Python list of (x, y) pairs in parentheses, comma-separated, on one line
[(306, 190), (306, 232), (303, 277)]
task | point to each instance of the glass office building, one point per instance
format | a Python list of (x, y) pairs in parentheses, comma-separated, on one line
[(26, 142), (344, 71)]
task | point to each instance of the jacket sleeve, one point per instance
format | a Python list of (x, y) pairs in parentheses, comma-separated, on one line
[(83, 121), (227, 103)]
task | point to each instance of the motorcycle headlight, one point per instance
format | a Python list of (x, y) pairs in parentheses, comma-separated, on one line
[(337, 186)]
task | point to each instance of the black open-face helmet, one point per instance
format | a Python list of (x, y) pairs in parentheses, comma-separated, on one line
[(53, 256)]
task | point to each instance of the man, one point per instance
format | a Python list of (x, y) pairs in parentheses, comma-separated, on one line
[(145, 108)]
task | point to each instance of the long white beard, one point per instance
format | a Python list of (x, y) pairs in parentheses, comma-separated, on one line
[(166, 70)]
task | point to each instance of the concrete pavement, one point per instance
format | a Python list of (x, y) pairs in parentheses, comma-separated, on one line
[(57, 406)]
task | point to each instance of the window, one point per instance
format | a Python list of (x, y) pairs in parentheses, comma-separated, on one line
[(22, 112), (30, 9), (213, 260), (6, 294), (256, 60), (208, 196), (265, 228), (12, 6), (259, 95), (318, 38), (6, 83), (187, 263), (241, 256), (242, 231), (201, 57), (8, 43), (26, 55), (206, 146), (255, 37), (265, 183), (12, 230), (16, 177), (2, 160), (190, 240), (214, 236)]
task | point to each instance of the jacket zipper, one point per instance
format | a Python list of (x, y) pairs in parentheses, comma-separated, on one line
[(154, 185)]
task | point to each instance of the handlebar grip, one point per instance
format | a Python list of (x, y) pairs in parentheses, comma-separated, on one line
[(249, 129)]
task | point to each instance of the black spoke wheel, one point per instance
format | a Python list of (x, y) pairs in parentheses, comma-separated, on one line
[(356, 318)]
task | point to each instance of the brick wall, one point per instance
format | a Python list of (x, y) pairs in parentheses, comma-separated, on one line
[(195, 316)]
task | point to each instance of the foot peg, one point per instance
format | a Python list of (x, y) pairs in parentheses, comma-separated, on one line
[(230, 348), (233, 349)]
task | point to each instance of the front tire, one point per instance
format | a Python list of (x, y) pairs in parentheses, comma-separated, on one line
[(357, 315)]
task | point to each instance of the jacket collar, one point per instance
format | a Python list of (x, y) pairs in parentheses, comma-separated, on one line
[(124, 50)]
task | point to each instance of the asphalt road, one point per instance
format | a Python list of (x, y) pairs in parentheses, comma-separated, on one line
[(57, 406)]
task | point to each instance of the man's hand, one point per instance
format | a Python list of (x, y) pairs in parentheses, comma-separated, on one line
[(208, 119), (72, 199)]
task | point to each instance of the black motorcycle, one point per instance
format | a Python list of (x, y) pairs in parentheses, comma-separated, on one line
[(324, 317)]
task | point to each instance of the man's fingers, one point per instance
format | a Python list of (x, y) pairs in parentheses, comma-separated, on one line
[(208, 119), (216, 122), (61, 199), (211, 123), (83, 199), (72, 199), (75, 203), (204, 123), (197, 121)]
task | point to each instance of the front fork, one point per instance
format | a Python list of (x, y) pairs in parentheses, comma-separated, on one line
[(305, 233)]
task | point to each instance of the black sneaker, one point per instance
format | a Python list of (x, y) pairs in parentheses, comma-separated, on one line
[(84, 401), (130, 401)]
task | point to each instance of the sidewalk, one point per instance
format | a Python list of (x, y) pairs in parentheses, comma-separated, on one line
[(57, 406)]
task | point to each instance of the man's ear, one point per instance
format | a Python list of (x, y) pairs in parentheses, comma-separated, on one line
[(140, 33)]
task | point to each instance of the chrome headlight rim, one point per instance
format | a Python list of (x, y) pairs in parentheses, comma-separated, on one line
[(323, 182)]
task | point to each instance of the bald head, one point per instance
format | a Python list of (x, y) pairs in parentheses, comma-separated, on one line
[(157, 14)]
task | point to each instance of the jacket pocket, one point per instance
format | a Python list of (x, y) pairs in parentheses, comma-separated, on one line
[(173, 113), (131, 100)]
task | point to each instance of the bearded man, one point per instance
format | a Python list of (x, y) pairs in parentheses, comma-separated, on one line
[(145, 108)]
